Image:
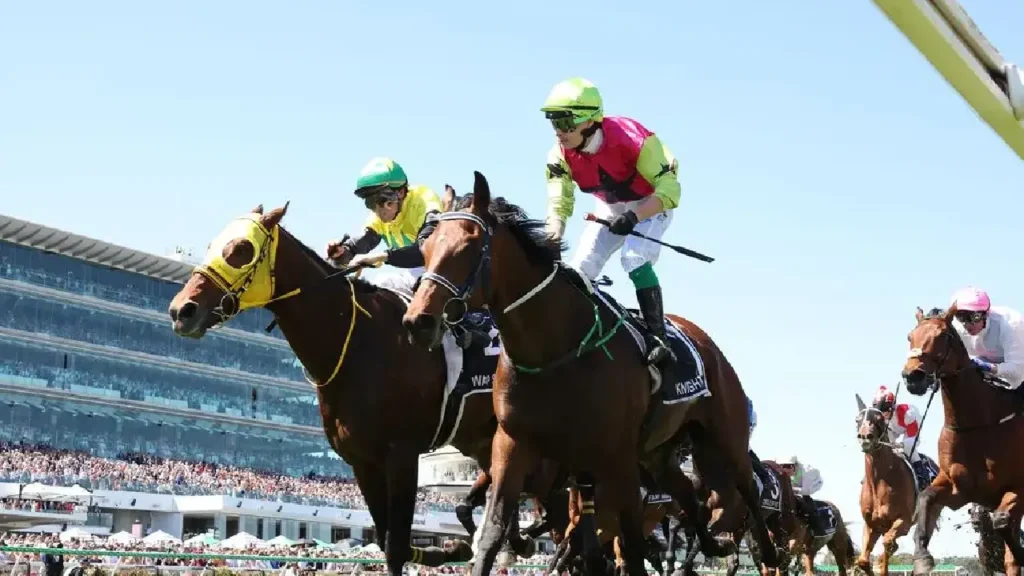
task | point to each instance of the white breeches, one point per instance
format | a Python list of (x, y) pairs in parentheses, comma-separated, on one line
[(597, 243), (402, 279)]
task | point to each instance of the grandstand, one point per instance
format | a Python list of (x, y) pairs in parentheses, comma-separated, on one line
[(160, 432)]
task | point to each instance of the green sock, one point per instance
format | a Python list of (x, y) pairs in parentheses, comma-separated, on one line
[(644, 277)]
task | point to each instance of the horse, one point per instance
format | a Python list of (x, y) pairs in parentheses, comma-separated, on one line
[(979, 446), (372, 384), (887, 493), (804, 544), (595, 414), (779, 509)]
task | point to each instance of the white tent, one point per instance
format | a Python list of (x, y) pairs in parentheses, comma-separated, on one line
[(240, 541), (280, 540), (76, 534), (161, 537), (122, 537), (37, 491)]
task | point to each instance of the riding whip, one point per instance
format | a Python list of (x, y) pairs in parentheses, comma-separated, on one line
[(684, 251)]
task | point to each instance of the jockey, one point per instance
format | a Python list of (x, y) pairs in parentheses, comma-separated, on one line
[(403, 216), (633, 176), (806, 481), (904, 423), (993, 335)]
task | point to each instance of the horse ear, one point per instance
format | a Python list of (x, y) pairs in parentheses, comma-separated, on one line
[(481, 194), (860, 403), (273, 218), (950, 313), (448, 202), (919, 315), (258, 210)]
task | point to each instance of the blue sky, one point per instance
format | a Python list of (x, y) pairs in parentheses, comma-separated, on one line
[(838, 180)]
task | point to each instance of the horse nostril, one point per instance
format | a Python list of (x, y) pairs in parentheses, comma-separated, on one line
[(187, 310)]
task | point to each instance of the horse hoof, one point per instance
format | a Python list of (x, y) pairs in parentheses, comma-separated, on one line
[(528, 547), (923, 564)]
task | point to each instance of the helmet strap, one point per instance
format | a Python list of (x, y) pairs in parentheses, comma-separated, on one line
[(587, 134)]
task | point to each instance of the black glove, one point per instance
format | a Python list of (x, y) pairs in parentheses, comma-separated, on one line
[(623, 224)]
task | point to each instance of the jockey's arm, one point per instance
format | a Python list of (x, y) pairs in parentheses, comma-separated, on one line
[(363, 243), (1011, 369), (659, 167), (811, 481), (561, 191), (411, 256)]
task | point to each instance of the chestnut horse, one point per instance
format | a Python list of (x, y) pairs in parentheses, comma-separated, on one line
[(589, 407), (887, 493), (980, 443), (372, 384), (805, 546)]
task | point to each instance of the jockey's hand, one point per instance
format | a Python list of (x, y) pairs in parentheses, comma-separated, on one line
[(623, 223), (338, 252), (369, 260), (984, 366)]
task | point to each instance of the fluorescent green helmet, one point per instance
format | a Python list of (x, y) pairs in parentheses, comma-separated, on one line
[(380, 180), (572, 103)]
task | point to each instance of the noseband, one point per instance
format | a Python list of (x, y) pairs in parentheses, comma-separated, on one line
[(453, 313)]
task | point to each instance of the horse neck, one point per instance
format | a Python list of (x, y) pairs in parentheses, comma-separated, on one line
[(316, 321), (552, 321), (978, 403), (879, 464)]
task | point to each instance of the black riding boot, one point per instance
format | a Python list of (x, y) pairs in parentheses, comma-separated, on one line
[(653, 311)]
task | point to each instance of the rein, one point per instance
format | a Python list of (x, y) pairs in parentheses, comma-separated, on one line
[(460, 295)]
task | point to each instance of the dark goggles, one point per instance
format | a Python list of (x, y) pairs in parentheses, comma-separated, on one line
[(562, 121), (969, 316), (378, 197)]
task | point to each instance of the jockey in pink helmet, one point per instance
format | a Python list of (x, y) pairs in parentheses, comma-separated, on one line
[(993, 335)]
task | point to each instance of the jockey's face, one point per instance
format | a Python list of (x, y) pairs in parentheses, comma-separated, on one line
[(573, 138), (388, 211), (788, 469), (973, 322)]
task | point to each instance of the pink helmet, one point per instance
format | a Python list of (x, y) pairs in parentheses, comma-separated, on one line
[(971, 299)]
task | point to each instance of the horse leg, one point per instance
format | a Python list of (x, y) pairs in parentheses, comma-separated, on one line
[(930, 503), (1006, 521), (476, 497), (673, 481), (402, 472), (509, 463), (372, 482), (631, 521), (889, 546)]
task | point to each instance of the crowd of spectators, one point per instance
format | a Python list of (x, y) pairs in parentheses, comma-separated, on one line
[(311, 552), (147, 473)]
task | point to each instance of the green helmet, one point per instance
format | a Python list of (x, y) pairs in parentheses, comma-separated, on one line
[(380, 176), (575, 98)]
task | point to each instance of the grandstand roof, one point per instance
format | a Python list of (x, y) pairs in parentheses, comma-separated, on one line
[(91, 250)]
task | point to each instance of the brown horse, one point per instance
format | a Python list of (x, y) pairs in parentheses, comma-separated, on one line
[(887, 492), (778, 507), (372, 384), (589, 407), (805, 545), (979, 446)]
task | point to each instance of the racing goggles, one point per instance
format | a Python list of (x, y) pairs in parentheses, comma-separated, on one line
[(380, 197), (970, 316), (562, 120)]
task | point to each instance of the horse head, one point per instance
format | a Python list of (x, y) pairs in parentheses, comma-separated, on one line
[(936, 351), (871, 427), (458, 258), (237, 273)]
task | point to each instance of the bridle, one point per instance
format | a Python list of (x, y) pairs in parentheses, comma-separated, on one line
[(453, 313)]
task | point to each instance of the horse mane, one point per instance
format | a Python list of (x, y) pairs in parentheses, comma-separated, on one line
[(934, 313), (359, 284), (530, 234)]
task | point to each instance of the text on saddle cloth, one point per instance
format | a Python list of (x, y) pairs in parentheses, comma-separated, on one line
[(771, 494), (925, 470), (827, 521), (686, 379), (469, 371)]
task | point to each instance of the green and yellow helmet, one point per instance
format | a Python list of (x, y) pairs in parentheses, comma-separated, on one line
[(572, 103), (380, 180)]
